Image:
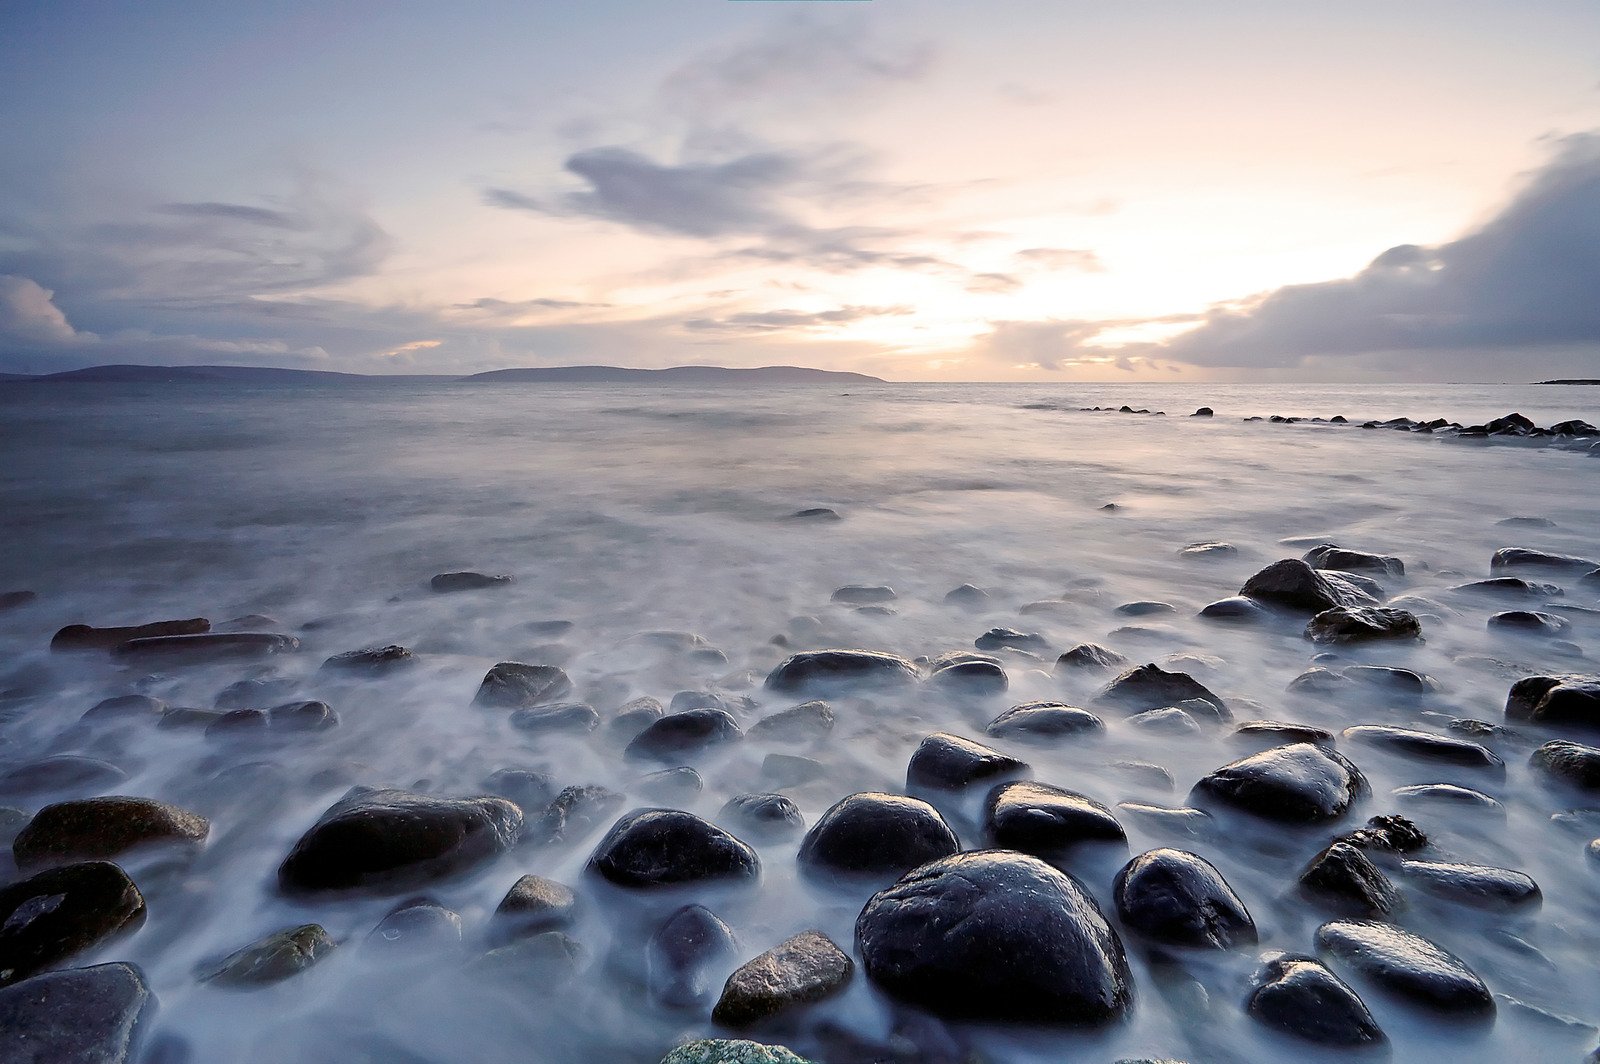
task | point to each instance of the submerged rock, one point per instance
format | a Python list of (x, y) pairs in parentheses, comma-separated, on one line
[(207, 647), (101, 828), (1566, 700), (1293, 584), (420, 927), (1426, 746), (125, 707), (534, 904), (85, 637), (1328, 556), (1570, 762), (875, 836), (557, 717), (1152, 687), (651, 848), (678, 734), (1235, 609), (1211, 549), (970, 674), (1522, 559), (764, 817), (1345, 877), (1178, 898), (54, 914), (1090, 656), (574, 813), (798, 971), (1046, 821), (1362, 624), (1299, 996), (62, 772), (995, 936), (829, 668), (95, 1015), (821, 514), (681, 954), (273, 959), (513, 685), (1043, 720), (1407, 965), (371, 660), (1011, 639), (808, 720), (864, 595), (1298, 783), (468, 581), (1480, 886), (967, 596), (1509, 587), (1529, 622), (945, 762), (525, 787)]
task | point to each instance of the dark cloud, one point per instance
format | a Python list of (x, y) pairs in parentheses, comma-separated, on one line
[(788, 320)]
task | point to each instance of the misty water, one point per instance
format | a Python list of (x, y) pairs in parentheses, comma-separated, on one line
[(629, 510)]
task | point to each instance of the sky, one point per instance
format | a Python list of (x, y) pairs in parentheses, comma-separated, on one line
[(918, 189)]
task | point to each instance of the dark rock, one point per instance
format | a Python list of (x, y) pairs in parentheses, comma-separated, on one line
[(679, 734), (1212, 549), (446, 582), (207, 647), (95, 1015), (664, 847), (1204, 411), (289, 718), (764, 817), (513, 685), (1236, 609), (1407, 965), (533, 904), (972, 674), (1152, 687), (1573, 701), (88, 829), (842, 668), (1392, 679), (1293, 584), (371, 660), (1328, 556), (238, 722), (574, 813), (527, 788), (1521, 559), (875, 836), (1480, 886), (678, 784), (1426, 746), (864, 595), (1318, 681), (808, 720), (967, 597), (1299, 996), (83, 637), (1298, 783), (1447, 795), (995, 936), (1046, 821), (816, 513), (1177, 898), (1043, 720), (125, 707), (1282, 733), (1145, 608), (1090, 656), (1529, 622), (558, 717), (278, 956), (1570, 762), (62, 772), (1362, 624), (634, 716), (418, 926), (54, 914), (946, 762), (382, 840), (1011, 639), (1346, 878), (681, 954), (255, 694), (1386, 834), (797, 971), (1509, 587), (1170, 721), (789, 770)]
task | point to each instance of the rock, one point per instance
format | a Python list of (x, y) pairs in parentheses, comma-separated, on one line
[(574, 813), (1152, 687), (54, 914), (95, 1015), (791, 770), (63, 772), (420, 927), (1407, 966), (1346, 878), (1447, 795), (764, 817), (383, 840), (1046, 821), (206, 647), (970, 674), (87, 829), (1301, 997), (513, 685), (1362, 624), (1392, 679), (1042, 721), (554, 629), (1208, 550), (652, 848), (1294, 585), (372, 660), (1177, 898), (822, 514), (1236, 609), (681, 954), (1509, 587), (1564, 700), (1297, 783), (469, 581), (945, 762), (540, 964), (841, 668), (730, 1051), (1145, 774), (634, 716), (875, 836), (864, 595), (1283, 734), (1521, 559), (967, 597), (1090, 656), (798, 971), (1426, 746), (995, 936), (1204, 411), (125, 707), (1570, 762), (1480, 886), (1386, 834), (83, 637), (1528, 622), (679, 784), (1181, 820), (533, 904), (274, 958), (255, 694), (1328, 556), (289, 718), (1144, 608), (1011, 639), (559, 717), (808, 720), (679, 734), (525, 787)]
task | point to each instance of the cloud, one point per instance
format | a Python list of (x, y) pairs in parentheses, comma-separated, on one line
[(993, 283), (509, 308), (1062, 259), (787, 320), (29, 316)]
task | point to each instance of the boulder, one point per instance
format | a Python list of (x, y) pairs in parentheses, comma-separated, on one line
[(468, 581), (84, 637), (54, 914), (1362, 624), (1046, 821), (1328, 556), (1345, 878), (1294, 585), (278, 956), (95, 1015), (677, 735), (652, 848), (1179, 899), (763, 817), (1522, 559), (681, 954), (875, 836), (1090, 656), (1152, 687), (1572, 701), (1569, 762), (371, 661), (1426, 746), (1040, 721), (1528, 622), (1300, 783), (534, 904), (945, 762), (513, 685), (1301, 997), (1011, 639), (87, 829), (1407, 965), (572, 814), (968, 674), (798, 971), (824, 669), (808, 720)]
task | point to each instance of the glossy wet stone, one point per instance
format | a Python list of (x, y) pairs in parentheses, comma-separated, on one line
[(273, 959), (1406, 965), (52, 915), (1329, 556), (533, 904), (798, 971), (1480, 886), (875, 836), (764, 817), (1363, 624), (1301, 997), (1300, 782), (102, 828), (1040, 721), (1571, 763), (681, 953), (652, 848), (1425, 746), (679, 734), (1344, 879), (514, 685), (945, 762), (1570, 700), (1090, 656), (1046, 821), (1178, 898), (94, 1015), (824, 669), (1152, 687), (1292, 584)]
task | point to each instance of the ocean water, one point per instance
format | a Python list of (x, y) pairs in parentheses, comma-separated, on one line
[(633, 509)]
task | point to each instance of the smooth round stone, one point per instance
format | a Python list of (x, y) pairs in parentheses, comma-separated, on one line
[(274, 958), (681, 954), (652, 848), (945, 762), (1152, 687), (1389, 678), (995, 936), (532, 905), (93, 1015), (1144, 608), (1177, 820), (1448, 795), (1520, 559), (1362, 624), (1299, 996), (968, 674), (102, 828), (634, 716), (1480, 886), (875, 835), (1042, 721), (1178, 898), (1045, 821), (1168, 721), (1090, 656), (1426, 746), (1283, 733), (808, 720), (1345, 877), (1300, 783), (1566, 700), (1235, 608), (689, 732), (1528, 622), (824, 669), (514, 685), (1407, 965), (1011, 639), (765, 817), (1569, 762), (421, 927)]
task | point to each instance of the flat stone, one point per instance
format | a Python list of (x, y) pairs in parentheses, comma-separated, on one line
[(279, 956), (798, 971), (1407, 965), (206, 647), (87, 829), (1522, 559), (1426, 746), (864, 595), (1480, 886)]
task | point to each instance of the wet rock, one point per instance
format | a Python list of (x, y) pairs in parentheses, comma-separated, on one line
[(125, 707), (255, 694), (468, 581), (381, 840), (1573, 701), (1282, 733), (945, 762), (798, 971), (1144, 608), (95, 1015), (790, 770), (651, 848), (764, 817), (1177, 898), (84, 637), (679, 784), (289, 718), (808, 720), (559, 717), (1211, 549), (1328, 556), (1521, 559), (1480, 886), (1235, 609), (206, 647), (875, 836), (574, 813), (1392, 679), (687, 700), (59, 912), (1362, 624), (1318, 680), (1345, 877), (1407, 965), (1509, 587), (533, 904), (525, 787), (864, 595), (62, 772), (1174, 820), (1204, 411), (1572, 763), (679, 734), (513, 685), (1386, 834), (995, 936), (1044, 720), (539, 965), (967, 597), (88, 829), (418, 926), (374, 660), (731, 1051), (279, 956), (1297, 783), (1294, 585), (972, 674), (1046, 821), (1090, 656), (821, 514), (1426, 746), (829, 668), (681, 954), (1145, 773), (1011, 639), (1301, 997), (635, 716), (1529, 622), (1152, 687), (1447, 795)]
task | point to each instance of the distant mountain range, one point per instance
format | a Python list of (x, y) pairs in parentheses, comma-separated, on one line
[(1573, 380), (538, 375)]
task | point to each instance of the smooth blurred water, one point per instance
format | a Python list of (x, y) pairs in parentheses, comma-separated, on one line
[(629, 509)]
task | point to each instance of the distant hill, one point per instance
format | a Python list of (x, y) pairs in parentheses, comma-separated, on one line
[(674, 375), (1573, 380)]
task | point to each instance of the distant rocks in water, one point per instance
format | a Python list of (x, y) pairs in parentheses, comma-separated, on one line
[(968, 674), (513, 685), (1204, 411), (1390, 678), (1329, 556), (85, 637), (273, 959), (995, 936), (468, 581), (258, 693), (1301, 997), (371, 660), (1362, 624), (1478, 886), (1407, 966), (1344, 877), (945, 762), (1237, 609), (679, 734), (680, 955), (207, 647), (967, 597), (875, 836), (125, 707), (808, 720), (87, 829), (1144, 608), (1426, 746), (1510, 587), (1569, 762), (1011, 639), (1211, 549), (1298, 783), (418, 927), (798, 971), (1042, 721), (1177, 898), (383, 840), (634, 716), (1523, 559), (1529, 622), (290, 718), (820, 669), (1046, 821), (817, 514), (1568, 700), (1090, 656), (1152, 687), (94, 1015), (55, 914), (1526, 522), (864, 595), (652, 848), (763, 817), (1294, 585)]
